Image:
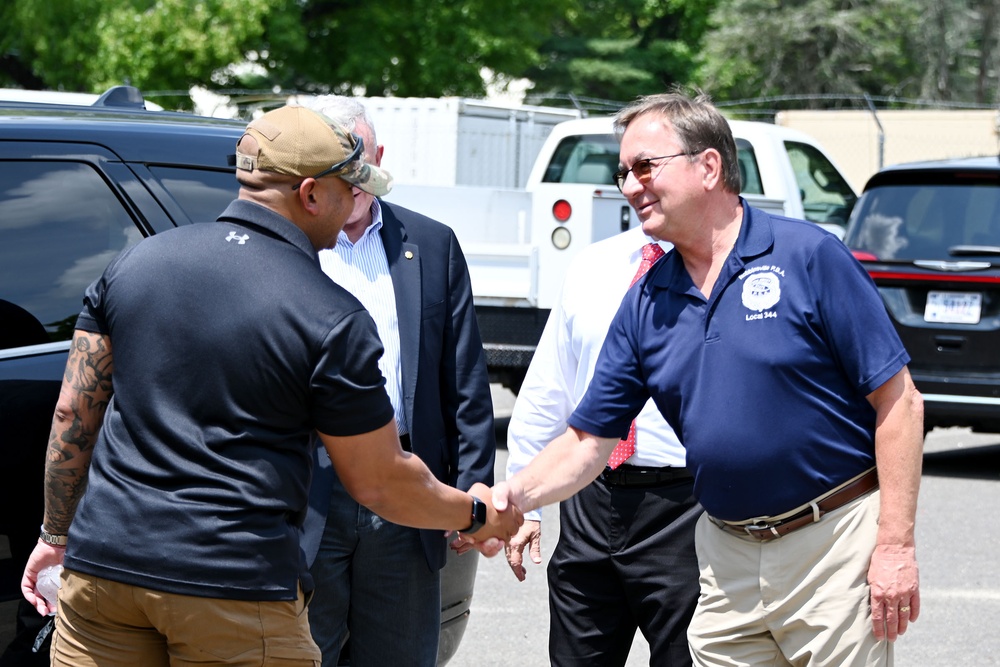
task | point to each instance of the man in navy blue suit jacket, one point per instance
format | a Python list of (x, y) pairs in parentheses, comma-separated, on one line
[(376, 582)]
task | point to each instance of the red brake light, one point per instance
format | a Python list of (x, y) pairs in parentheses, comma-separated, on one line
[(561, 210), (864, 256)]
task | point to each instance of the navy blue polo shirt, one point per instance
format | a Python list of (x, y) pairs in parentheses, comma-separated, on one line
[(766, 380), (230, 348)]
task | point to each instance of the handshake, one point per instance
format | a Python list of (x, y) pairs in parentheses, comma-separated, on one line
[(503, 519)]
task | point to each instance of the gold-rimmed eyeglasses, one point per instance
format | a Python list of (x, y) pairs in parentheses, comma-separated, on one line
[(643, 169)]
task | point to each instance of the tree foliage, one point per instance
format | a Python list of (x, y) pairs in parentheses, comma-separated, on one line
[(404, 47), (618, 49), (895, 48), (393, 47), (773, 47), (957, 51), (90, 45), (609, 49)]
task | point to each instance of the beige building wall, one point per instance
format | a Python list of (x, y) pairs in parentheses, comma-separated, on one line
[(852, 137)]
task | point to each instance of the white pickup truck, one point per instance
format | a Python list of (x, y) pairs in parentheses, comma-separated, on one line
[(518, 242)]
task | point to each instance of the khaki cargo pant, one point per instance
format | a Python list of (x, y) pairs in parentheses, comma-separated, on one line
[(109, 624)]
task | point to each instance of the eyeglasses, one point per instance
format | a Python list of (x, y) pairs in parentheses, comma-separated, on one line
[(359, 147), (643, 169)]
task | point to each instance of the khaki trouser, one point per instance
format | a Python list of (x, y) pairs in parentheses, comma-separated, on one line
[(109, 624), (799, 600)]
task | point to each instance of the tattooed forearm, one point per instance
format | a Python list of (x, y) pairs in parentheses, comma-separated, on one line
[(83, 399), (88, 369)]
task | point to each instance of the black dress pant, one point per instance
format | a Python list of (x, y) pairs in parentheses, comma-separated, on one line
[(625, 560)]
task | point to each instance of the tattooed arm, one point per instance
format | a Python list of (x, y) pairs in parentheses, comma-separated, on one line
[(83, 399), (85, 393)]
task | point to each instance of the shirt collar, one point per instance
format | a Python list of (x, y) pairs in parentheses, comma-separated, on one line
[(247, 212), (756, 234), (640, 239), (756, 237), (373, 228)]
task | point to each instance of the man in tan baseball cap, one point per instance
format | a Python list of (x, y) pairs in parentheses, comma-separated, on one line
[(297, 141), (284, 159), (228, 352)]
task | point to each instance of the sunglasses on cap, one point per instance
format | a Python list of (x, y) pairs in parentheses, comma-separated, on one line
[(359, 147)]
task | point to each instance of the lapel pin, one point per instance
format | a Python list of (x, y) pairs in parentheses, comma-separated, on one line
[(408, 254)]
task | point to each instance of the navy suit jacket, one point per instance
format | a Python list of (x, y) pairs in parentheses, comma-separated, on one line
[(446, 390)]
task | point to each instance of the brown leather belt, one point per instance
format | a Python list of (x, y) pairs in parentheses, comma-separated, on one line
[(765, 531)]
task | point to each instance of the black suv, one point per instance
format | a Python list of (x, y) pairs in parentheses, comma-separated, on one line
[(77, 185), (929, 235)]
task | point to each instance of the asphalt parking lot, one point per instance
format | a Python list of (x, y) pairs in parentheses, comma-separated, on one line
[(958, 537)]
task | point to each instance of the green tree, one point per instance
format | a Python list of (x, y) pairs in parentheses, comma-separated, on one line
[(608, 49), (405, 47), (618, 49), (393, 47), (36, 50), (773, 47), (90, 45), (957, 51), (895, 48)]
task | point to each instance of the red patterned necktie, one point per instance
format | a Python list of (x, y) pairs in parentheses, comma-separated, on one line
[(626, 448)]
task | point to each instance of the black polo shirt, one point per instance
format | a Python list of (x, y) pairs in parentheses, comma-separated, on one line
[(230, 347)]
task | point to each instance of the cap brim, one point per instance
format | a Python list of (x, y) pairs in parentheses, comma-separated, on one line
[(373, 180)]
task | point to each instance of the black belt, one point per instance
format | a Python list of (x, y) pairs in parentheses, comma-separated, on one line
[(638, 476)]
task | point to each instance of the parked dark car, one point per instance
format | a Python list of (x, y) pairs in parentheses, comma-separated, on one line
[(929, 235), (77, 185)]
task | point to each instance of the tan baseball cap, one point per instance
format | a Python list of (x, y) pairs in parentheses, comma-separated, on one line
[(297, 141)]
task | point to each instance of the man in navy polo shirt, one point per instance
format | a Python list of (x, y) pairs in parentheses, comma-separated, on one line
[(767, 347), (205, 359)]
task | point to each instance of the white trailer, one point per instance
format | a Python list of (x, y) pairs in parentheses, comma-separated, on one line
[(460, 141)]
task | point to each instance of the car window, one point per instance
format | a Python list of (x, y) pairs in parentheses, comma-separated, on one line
[(928, 221), (202, 193), (749, 171), (60, 226), (591, 158), (826, 196)]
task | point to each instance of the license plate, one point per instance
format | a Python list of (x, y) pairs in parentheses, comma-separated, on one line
[(954, 307)]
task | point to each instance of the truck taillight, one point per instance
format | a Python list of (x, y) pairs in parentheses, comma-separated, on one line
[(561, 210), (561, 238), (864, 256)]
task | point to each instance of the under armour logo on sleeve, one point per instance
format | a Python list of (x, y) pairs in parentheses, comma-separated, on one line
[(240, 239)]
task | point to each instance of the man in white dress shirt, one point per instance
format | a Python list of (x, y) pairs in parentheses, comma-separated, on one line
[(625, 557), (378, 582)]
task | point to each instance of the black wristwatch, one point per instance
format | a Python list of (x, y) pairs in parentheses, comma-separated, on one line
[(478, 516)]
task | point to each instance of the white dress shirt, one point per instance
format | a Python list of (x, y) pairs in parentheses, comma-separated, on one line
[(564, 361), (363, 270)]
